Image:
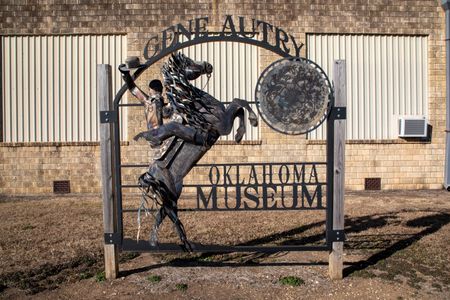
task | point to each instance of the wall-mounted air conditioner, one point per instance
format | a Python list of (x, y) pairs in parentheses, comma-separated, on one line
[(412, 126)]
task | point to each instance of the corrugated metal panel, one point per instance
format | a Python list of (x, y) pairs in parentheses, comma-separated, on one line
[(236, 69), (49, 85), (386, 78)]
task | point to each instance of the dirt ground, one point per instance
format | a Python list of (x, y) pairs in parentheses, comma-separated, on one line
[(397, 247)]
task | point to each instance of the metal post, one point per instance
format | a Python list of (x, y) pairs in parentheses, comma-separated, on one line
[(340, 92), (104, 96), (446, 7)]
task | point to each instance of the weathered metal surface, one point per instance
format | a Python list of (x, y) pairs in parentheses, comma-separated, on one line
[(267, 178), (194, 32), (293, 95), (202, 120), (262, 186), (236, 71)]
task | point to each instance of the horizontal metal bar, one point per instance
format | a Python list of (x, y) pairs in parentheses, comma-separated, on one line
[(233, 210), (140, 104), (144, 246), (236, 164), (234, 185), (129, 186), (134, 166), (154, 210), (245, 185), (261, 164), (229, 102), (130, 104)]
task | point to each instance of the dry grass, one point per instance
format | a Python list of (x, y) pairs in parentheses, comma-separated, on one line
[(53, 230), (399, 237)]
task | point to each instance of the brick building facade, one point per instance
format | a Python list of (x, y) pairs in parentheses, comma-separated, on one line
[(32, 167)]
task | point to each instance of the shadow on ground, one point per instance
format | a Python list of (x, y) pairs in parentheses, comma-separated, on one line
[(379, 246), (391, 244), (363, 234)]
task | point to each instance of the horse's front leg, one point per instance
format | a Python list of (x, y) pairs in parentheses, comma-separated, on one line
[(233, 111)]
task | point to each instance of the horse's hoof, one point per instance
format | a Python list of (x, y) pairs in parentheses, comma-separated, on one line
[(153, 242), (239, 134), (253, 120), (137, 137), (142, 135)]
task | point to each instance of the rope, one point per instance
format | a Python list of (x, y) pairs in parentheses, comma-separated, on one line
[(207, 81)]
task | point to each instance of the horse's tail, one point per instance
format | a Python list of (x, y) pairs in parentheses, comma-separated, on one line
[(156, 192), (156, 189)]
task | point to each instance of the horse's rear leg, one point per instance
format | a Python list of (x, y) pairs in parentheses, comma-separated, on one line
[(180, 229), (159, 218), (157, 135), (232, 112), (241, 129), (252, 117)]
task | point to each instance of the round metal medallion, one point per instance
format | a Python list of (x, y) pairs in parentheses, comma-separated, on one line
[(293, 95)]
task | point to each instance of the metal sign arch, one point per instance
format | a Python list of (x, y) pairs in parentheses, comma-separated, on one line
[(198, 41), (334, 162), (219, 37)]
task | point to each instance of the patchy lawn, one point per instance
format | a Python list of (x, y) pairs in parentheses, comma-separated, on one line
[(397, 248)]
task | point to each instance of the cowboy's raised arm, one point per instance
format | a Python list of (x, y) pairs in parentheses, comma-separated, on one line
[(131, 85)]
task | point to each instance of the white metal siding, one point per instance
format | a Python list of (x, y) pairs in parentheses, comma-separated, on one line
[(49, 85), (386, 78), (235, 73)]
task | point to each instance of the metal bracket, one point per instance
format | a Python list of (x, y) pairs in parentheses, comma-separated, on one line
[(113, 239), (338, 113), (336, 236), (108, 116)]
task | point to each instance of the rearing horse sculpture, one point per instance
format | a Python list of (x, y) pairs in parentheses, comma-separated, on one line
[(200, 113)]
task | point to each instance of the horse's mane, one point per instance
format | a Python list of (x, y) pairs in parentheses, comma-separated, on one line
[(181, 93)]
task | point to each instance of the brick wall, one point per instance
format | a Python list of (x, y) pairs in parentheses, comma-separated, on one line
[(32, 168)]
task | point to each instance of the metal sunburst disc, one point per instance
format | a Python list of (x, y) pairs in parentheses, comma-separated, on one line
[(293, 95)]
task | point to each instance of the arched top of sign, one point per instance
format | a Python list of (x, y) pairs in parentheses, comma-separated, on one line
[(241, 30), (293, 95)]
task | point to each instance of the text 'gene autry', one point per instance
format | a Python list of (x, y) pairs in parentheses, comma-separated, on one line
[(251, 31)]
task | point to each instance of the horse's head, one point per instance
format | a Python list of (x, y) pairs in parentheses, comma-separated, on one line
[(189, 68)]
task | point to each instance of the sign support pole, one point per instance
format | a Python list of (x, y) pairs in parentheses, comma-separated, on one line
[(446, 7), (336, 253), (104, 98)]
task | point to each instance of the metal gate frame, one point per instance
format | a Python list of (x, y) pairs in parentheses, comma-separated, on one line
[(126, 244), (113, 210)]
